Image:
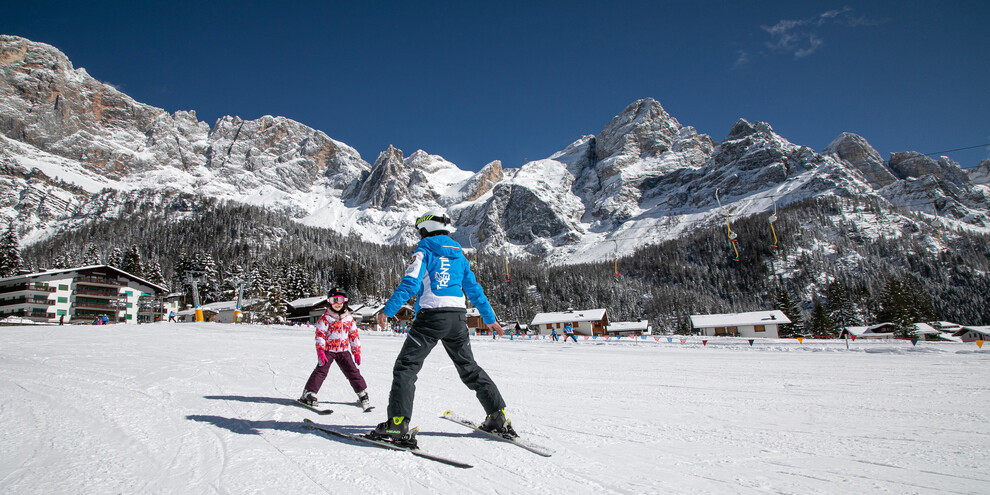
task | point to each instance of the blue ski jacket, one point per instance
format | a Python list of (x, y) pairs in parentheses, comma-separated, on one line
[(440, 276)]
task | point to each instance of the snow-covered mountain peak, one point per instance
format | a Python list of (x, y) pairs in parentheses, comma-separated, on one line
[(644, 172), (643, 129)]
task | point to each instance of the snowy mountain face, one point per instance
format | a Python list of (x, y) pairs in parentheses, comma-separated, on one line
[(645, 178)]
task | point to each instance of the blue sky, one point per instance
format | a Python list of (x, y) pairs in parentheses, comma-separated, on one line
[(517, 81)]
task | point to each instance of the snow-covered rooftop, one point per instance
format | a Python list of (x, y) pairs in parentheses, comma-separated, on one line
[(89, 267), (570, 315), (626, 326), (740, 319), (306, 302)]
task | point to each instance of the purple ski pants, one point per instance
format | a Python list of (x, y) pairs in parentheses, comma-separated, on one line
[(347, 366)]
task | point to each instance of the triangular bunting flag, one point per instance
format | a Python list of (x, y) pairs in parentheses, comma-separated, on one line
[(979, 343), (585, 337), (657, 339), (670, 339), (618, 336), (751, 342), (914, 342), (607, 337), (854, 338), (800, 340), (594, 337), (704, 342), (683, 340)]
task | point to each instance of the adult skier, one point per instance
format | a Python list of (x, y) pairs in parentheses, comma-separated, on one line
[(440, 276), (569, 333), (335, 332)]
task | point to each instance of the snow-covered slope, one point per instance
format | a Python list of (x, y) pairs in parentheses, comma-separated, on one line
[(642, 179), (207, 408)]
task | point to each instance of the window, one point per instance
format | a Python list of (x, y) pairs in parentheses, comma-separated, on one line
[(63, 287), (128, 293), (61, 312), (760, 328), (63, 299)]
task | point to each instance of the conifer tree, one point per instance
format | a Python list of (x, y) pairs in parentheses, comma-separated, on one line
[(10, 253), (153, 273), (894, 308), (131, 262), (839, 305), (787, 306), (819, 324), (91, 256), (116, 258)]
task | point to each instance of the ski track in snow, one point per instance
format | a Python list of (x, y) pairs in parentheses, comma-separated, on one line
[(207, 408)]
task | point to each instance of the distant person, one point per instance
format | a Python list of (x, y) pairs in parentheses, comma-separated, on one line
[(61, 320), (440, 276), (171, 316), (335, 333), (553, 334), (569, 333)]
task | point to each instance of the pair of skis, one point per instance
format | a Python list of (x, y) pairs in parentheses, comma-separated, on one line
[(448, 415)]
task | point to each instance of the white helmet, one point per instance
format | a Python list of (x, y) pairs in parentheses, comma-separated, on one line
[(433, 222)]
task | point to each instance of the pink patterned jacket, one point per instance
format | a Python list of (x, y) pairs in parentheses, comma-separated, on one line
[(335, 332)]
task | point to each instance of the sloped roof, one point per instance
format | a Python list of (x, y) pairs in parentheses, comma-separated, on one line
[(229, 305), (985, 330), (740, 319), (565, 316), (625, 326), (306, 302), (159, 288), (870, 330)]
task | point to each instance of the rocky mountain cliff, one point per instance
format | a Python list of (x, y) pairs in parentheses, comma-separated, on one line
[(72, 147)]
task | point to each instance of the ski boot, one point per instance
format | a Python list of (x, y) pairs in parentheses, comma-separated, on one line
[(497, 423), (365, 401), (309, 398), (395, 431)]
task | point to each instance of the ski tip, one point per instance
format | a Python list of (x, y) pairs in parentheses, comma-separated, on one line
[(445, 413)]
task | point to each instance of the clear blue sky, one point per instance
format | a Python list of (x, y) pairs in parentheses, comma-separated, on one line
[(515, 81)]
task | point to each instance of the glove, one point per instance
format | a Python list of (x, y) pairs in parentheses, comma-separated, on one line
[(322, 357), (357, 359)]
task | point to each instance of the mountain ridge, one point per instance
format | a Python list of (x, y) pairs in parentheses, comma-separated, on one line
[(644, 178)]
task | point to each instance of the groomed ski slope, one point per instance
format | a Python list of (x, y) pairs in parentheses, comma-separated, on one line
[(205, 408)]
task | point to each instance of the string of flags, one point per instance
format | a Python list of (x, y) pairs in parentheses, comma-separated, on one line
[(657, 338)]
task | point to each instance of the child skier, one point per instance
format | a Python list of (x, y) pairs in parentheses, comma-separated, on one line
[(440, 275), (335, 331)]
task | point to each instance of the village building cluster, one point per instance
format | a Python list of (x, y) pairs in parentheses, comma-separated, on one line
[(105, 294)]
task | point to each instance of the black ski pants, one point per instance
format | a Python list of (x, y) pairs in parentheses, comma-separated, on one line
[(447, 325)]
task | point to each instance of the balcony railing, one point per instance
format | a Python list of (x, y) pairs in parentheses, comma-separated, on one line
[(90, 305), (26, 300), (97, 293), (28, 287), (100, 281)]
